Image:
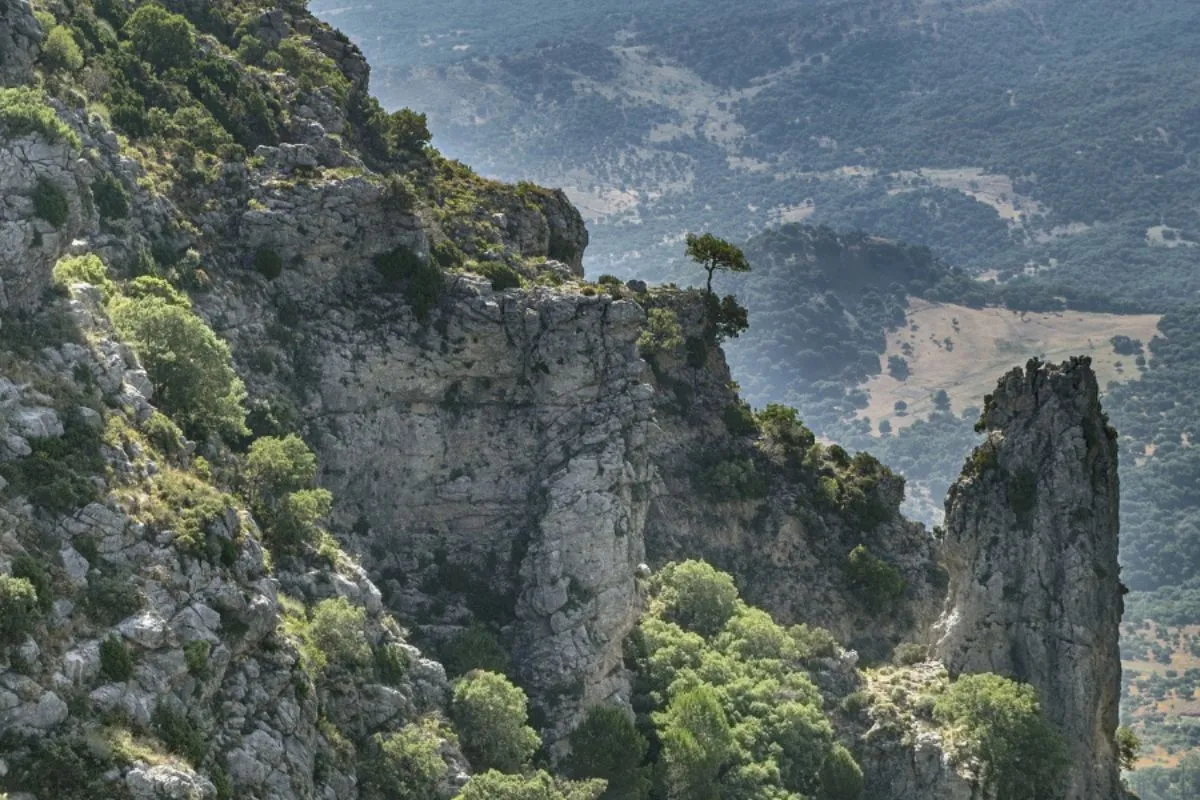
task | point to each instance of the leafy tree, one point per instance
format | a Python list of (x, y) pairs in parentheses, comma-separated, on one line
[(1000, 722), (18, 607), (713, 253), (188, 365), (339, 629), (408, 131), (60, 51), (696, 597), (879, 582), (490, 715), (941, 401), (163, 39), (1128, 747), (841, 777), (607, 745), (697, 741), (407, 764), (493, 785), (276, 467), (474, 648)]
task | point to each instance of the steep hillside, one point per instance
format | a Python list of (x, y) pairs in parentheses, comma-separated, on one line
[(292, 402)]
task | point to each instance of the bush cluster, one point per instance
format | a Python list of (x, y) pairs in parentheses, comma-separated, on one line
[(724, 698)]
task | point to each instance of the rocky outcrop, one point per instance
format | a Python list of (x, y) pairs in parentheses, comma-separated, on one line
[(1031, 547), (20, 40), (28, 165), (787, 547), (496, 463)]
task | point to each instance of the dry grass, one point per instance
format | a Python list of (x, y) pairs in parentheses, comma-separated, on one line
[(983, 344)]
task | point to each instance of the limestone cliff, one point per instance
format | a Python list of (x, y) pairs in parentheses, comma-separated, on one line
[(1031, 547), (502, 447)]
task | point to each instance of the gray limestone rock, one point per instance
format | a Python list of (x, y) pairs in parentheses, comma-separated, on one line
[(20, 41), (1031, 546)]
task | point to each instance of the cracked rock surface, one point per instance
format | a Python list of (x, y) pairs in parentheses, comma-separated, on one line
[(1031, 546)]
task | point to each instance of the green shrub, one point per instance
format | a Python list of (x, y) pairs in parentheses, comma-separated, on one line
[(422, 281), (112, 201), (1129, 747), (296, 520), (841, 777), (732, 479), (108, 600), (490, 715), (695, 596), (999, 722), (268, 262), (276, 467), (474, 648), (878, 582), (391, 663), (607, 745), (163, 39), (408, 131), (153, 286), (540, 785), (447, 254), (178, 733), (739, 419), (50, 203), (662, 333), (188, 365), (501, 275), (782, 429), (18, 609), (195, 655), (909, 653), (406, 765), (60, 51), (116, 664), (697, 742), (609, 280), (24, 111), (82, 269), (27, 567), (339, 630), (312, 69)]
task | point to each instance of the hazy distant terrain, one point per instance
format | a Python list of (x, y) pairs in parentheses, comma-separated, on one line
[(1003, 134)]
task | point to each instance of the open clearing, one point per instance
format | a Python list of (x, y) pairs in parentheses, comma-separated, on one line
[(965, 350)]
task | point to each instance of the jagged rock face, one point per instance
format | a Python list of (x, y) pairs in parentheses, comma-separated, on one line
[(1031, 546), (20, 40), (787, 554), (28, 241), (497, 461)]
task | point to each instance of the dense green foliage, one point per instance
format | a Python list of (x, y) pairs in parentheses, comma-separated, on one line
[(188, 364), (493, 785), (999, 722), (50, 203), (606, 745), (116, 664), (727, 706), (407, 764), (662, 333), (18, 608), (24, 111), (490, 714)]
